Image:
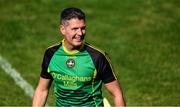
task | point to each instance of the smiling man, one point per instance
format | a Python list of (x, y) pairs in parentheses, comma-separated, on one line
[(77, 68)]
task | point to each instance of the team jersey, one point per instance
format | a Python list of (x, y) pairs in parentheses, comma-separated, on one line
[(78, 75)]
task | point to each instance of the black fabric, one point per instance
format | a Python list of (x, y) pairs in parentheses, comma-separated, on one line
[(46, 60), (103, 67), (104, 70)]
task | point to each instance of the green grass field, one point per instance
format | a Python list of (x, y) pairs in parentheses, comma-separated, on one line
[(142, 38)]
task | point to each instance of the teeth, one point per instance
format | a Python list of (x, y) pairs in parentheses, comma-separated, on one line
[(78, 37)]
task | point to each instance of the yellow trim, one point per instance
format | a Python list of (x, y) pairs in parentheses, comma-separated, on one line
[(95, 73), (95, 48), (94, 76), (70, 52), (49, 70), (110, 65), (104, 56), (54, 45)]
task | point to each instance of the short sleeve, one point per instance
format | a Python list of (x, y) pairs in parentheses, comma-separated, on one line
[(105, 69), (44, 66)]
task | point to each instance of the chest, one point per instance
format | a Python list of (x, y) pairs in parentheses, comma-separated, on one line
[(77, 68)]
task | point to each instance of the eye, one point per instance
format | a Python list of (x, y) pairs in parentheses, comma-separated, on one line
[(74, 29), (83, 28)]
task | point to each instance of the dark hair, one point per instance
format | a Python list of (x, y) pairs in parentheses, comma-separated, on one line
[(70, 13)]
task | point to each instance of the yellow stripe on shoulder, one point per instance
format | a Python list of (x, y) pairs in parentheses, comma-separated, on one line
[(94, 47), (105, 55), (56, 44)]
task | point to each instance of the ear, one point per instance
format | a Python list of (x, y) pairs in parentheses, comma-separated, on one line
[(62, 29)]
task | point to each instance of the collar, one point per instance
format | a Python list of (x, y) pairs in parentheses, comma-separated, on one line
[(71, 52)]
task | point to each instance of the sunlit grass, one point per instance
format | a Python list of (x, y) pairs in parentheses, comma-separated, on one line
[(140, 36)]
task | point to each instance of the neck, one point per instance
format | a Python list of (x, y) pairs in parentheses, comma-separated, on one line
[(71, 49)]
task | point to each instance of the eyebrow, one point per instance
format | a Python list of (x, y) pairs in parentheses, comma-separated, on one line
[(79, 27)]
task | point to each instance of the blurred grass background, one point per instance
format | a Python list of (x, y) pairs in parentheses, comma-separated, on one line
[(142, 38)]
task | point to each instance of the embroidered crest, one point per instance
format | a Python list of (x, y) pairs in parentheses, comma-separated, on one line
[(70, 63)]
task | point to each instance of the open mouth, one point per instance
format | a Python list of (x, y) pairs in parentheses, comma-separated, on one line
[(79, 38)]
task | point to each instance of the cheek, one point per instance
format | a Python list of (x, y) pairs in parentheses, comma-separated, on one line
[(69, 34)]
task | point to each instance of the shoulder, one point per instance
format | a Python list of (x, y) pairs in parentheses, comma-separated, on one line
[(53, 48), (94, 50), (96, 53)]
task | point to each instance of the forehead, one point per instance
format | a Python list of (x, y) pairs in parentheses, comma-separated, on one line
[(76, 22)]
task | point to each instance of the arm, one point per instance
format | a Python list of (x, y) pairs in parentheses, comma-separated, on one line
[(41, 92), (115, 90)]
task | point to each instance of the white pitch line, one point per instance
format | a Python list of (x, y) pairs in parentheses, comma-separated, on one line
[(28, 89)]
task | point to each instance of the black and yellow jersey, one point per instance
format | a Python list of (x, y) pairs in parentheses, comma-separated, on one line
[(78, 75)]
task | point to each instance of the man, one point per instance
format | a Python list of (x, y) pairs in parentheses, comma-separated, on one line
[(77, 68)]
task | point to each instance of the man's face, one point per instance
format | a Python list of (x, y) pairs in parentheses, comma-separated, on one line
[(74, 33)]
